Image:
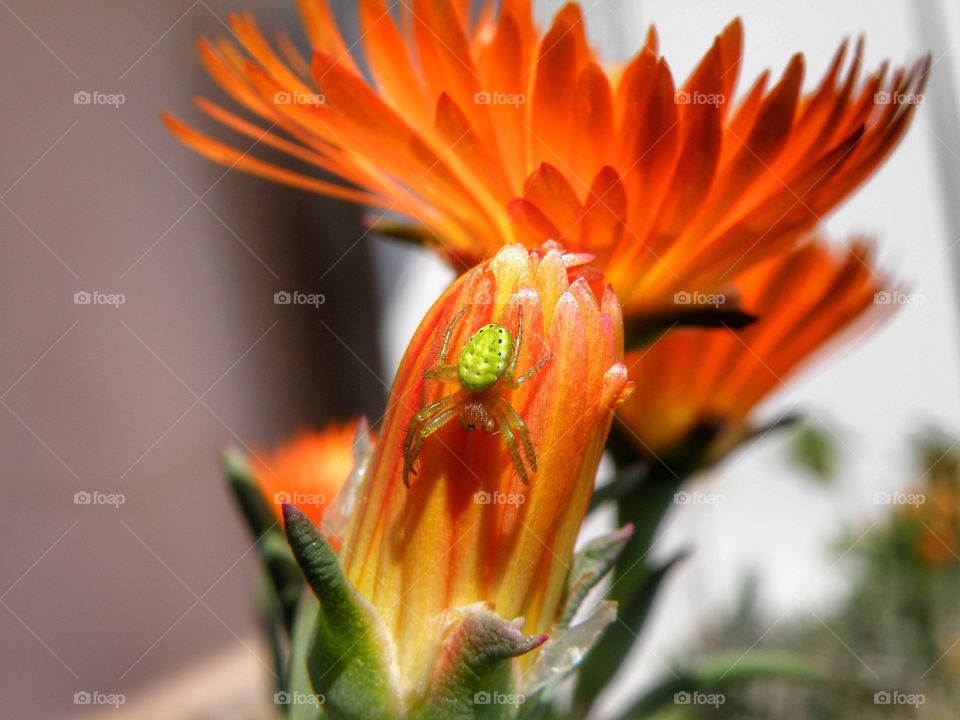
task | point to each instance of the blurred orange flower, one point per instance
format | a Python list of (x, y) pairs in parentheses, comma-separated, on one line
[(692, 376), (936, 513), (493, 133), (307, 470), (468, 529)]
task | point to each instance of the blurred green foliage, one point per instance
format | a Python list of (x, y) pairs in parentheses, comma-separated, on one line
[(891, 647)]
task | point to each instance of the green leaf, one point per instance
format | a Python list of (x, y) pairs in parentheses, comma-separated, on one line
[(299, 686), (268, 617), (285, 576), (254, 506), (475, 674), (350, 660), (634, 611), (624, 484), (814, 448), (614, 646), (714, 675), (590, 566)]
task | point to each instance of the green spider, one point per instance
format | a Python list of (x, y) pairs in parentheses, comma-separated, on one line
[(487, 362)]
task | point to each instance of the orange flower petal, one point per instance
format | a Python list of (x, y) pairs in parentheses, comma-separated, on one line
[(465, 114), (803, 299), (414, 552)]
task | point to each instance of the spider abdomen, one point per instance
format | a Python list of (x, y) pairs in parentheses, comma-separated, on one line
[(484, 358)]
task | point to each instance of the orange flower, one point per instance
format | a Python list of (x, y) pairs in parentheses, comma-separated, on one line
[(694, 376), (935, 516), (491, 134), (468, 529), (308, 470)]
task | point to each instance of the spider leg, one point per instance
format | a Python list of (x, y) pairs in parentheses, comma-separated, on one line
[(514, 384), (426, 430), (443, 373), (514, 450), (448, 334), (423, 415), (506, 411), (518, 343)]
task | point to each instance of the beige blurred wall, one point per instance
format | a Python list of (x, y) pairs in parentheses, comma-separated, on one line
[(137, 399)]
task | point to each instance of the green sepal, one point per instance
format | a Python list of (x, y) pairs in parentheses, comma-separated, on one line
[(285, 576), (590, 566), (254, 506), (475, 673), (350, 659), (405, 232), (561, 656), (299, 685)]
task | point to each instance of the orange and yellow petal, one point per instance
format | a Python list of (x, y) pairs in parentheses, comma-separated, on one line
[(467, 529), (493, 132)]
